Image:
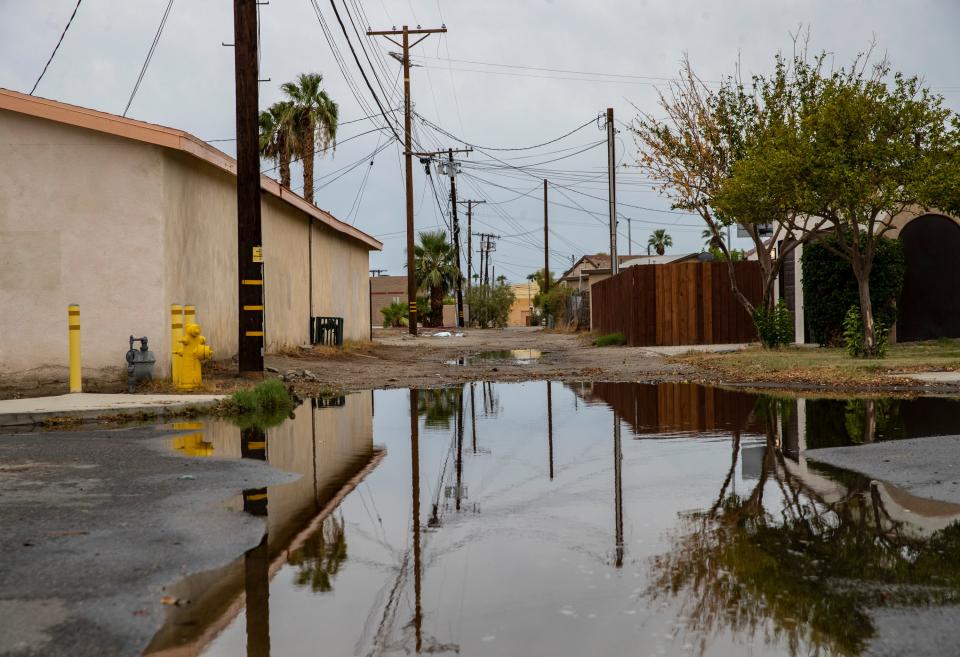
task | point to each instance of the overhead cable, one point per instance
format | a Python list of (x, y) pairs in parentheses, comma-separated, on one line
[(146, 62), (56, 47)]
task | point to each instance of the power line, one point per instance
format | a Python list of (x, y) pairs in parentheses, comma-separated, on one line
[(56, 47), (153, 47), (556, 70), (376, 98), (434, 126)]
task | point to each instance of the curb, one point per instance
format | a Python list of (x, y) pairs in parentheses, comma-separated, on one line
[(40, 417)]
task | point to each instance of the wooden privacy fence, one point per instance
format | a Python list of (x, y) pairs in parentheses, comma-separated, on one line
[(678, 304)]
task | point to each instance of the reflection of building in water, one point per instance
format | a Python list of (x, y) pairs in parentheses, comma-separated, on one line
[(672, 407), (332, 448), (191, 444), (814, 423)]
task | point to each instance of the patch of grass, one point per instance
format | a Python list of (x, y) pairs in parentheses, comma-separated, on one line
[(265, 405), (827, 365), (610, 340)]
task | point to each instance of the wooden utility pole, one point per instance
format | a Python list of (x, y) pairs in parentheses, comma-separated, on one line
[(546, 241), (249, 247), (612, 176), (470, 203), (408, 155), (455, 225), (487, 245)]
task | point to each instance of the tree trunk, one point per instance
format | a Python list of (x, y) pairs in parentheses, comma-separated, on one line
[(436, 305), (308, 148), (866, 313), (285, 165)]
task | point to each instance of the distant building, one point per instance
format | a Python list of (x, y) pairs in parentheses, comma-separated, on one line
[(126, 218), (385, 290), (522, 308)]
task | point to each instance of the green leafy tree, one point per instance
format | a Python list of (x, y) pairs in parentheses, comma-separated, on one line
[(659, 241), (691, 148), (859, 149), (490, 305), (436, 270), (278, 137), (314, 117)]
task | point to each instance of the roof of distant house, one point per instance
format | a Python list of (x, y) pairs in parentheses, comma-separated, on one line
[(599, 263), (158, 135)]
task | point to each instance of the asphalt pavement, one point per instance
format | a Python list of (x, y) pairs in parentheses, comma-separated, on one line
[(97, 523)]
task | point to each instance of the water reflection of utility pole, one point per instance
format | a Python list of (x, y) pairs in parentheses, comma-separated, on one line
[(459, 494), (618, 491), (257, 584), (415, 494), (473, 417), (550, 427)]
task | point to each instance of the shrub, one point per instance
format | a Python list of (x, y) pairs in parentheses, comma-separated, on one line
[(830, 288), (610, 339), (775, 326), (853, 334), (554, 303), (395, 314), (490, 305)]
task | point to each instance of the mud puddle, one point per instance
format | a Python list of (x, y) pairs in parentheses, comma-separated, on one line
[(505, 356), (549, 519)]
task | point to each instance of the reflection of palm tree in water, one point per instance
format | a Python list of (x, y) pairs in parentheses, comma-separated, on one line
[(804, 574), (321, 556)]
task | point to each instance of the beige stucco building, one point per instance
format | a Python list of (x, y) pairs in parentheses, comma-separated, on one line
[(126, 218), (929, 305)]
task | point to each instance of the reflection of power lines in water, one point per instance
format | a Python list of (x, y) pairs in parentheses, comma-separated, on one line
[(412, 632), (491, 400)]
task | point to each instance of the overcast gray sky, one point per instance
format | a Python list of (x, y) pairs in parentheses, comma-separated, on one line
[(483, 82)]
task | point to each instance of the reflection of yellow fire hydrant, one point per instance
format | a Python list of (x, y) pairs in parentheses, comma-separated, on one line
[(193, 351)]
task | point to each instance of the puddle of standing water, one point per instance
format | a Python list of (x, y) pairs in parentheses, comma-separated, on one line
[(549, 519), (510, 356)]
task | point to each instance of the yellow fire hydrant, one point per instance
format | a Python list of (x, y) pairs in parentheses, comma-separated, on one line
[(194, 350)]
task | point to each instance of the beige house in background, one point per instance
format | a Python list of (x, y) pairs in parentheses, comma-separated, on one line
[(522, 307), (125, 218)]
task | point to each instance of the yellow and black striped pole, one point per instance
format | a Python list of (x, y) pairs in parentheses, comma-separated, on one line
[(73, 322), (189, 315), (176, 333)]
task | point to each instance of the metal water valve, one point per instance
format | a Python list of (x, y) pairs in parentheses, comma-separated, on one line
[(139, 363)]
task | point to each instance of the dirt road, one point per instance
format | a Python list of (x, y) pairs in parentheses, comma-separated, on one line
[(397, 360)]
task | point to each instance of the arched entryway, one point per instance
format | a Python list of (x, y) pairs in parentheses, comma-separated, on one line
[(930, 304)]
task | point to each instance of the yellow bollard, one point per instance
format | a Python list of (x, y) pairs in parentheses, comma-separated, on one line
[(193, 351), (176, 333), (73, 322)]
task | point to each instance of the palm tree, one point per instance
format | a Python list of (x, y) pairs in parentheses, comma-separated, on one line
[(278, 137), (314, 119), (659, 241), (710, 240), (436, 270)]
